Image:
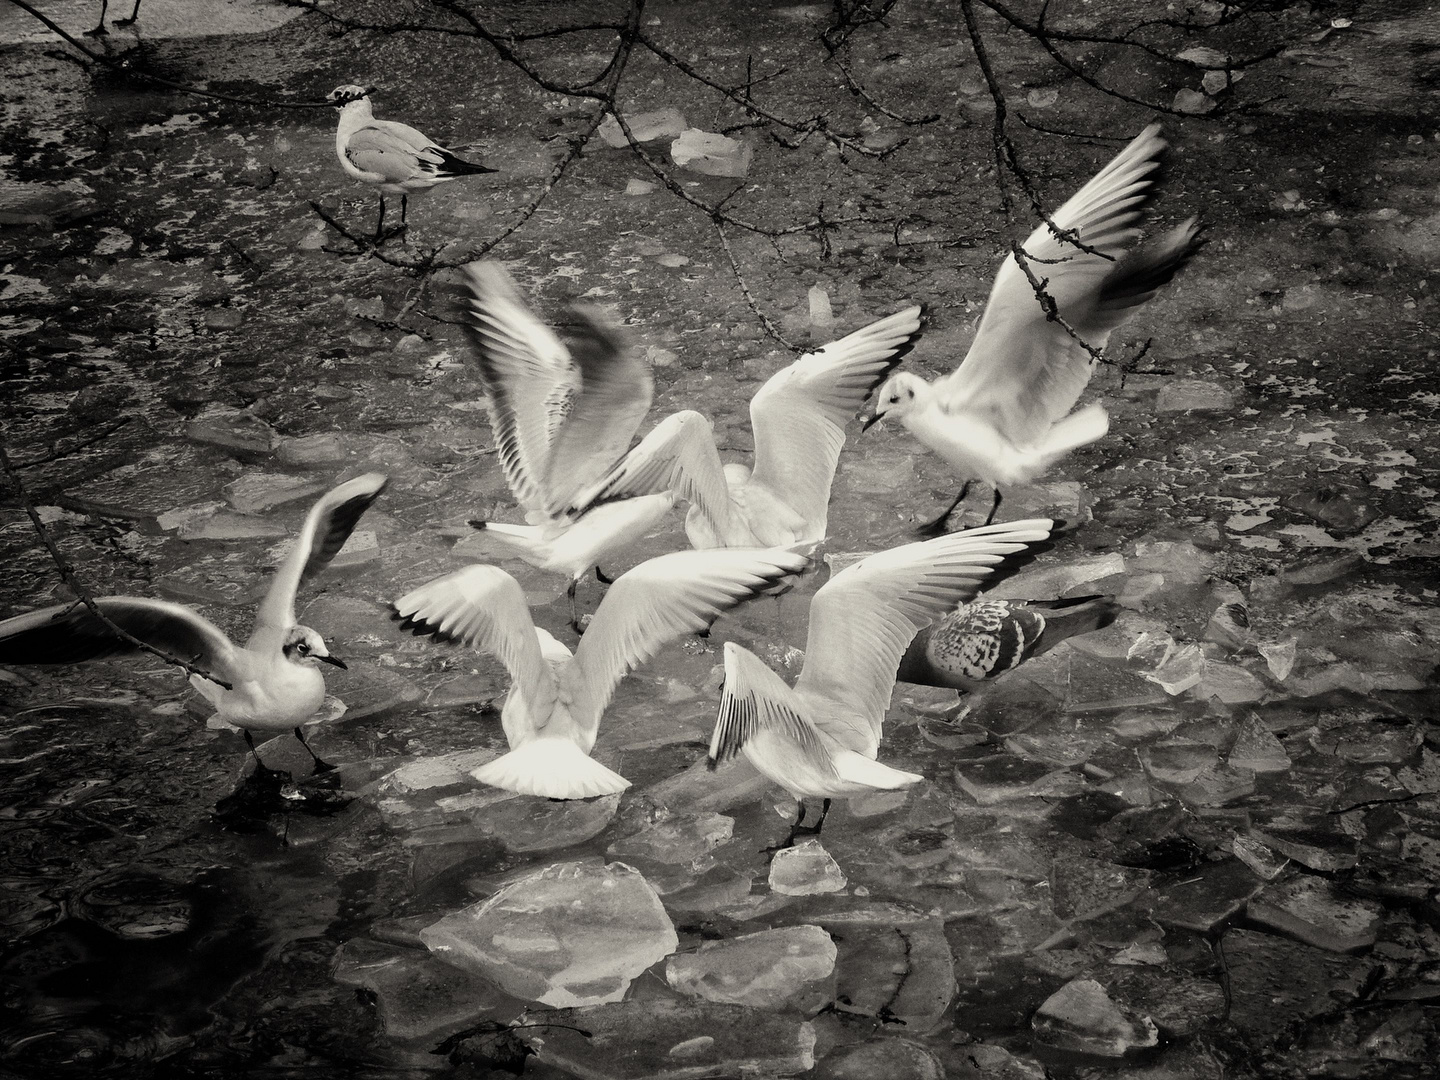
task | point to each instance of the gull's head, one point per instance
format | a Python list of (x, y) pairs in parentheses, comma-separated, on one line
[(344, 95), (896, 398), (303, 645)]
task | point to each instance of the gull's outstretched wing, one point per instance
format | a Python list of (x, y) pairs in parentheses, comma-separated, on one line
[(530, 379), (326, 528), (1023, 372), (484, 608), (799, 415), (679, 456), (658, 601), (758, 709), (70, 633), (616, 386), (862, 619)]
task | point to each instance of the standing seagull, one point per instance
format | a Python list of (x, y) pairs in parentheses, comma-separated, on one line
[(552, 713), (1003, 416), (274, 686), (798, 418), (820, 739), (391, 156), (561, 418), (983, 639)]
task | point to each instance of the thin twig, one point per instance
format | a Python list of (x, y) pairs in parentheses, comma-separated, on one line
[(82, 594), (56, 454), (765, 322)]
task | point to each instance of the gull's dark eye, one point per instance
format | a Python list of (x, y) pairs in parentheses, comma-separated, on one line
[(302, 647)]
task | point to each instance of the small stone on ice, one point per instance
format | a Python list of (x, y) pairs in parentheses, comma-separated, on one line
[(1194, 395), (822, 319), (639, 187), (571, 934), (1192, 101), (673, 260), (805, 869), (1215, 82)]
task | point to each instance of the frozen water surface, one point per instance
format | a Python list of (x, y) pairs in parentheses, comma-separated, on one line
[(1201, 842)]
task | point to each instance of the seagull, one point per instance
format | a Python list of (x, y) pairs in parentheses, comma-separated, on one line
[(820, 739), (798, 418), (983, 639), (552, 713), (274, 684), (1003, 416), (391, 156), (562, 417)]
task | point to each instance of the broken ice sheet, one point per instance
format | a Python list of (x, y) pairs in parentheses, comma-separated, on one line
[(571, 934)]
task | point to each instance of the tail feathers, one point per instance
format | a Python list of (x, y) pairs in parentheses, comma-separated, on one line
[(1079, 428), (1136, 277), (551, 769), (450, 165), (1074, 616), (528, 540), (858, 769), (211, 692)]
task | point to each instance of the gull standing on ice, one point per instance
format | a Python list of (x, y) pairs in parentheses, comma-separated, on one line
[(798, 418), (820, 739), (561, 418), (552, 713), (981, 640), (1003, 416), (274, 684), (391, 156)]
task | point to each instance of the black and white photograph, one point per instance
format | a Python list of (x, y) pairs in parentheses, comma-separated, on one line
[(663, 540)]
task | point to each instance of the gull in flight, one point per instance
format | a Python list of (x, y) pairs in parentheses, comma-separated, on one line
[(983, 639), (393, 157), (798, 418), (1003, 416), (820, 739), (561, 417), (273, 681), (552, 713)]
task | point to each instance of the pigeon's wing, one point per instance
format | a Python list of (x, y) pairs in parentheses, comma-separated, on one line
[(799, 415), (658, 601), (679, 456), (326, 528), (864, 617), (484, 608), (1023, 371), (531, 381), (615, 390), (70, 633), (757, 707)]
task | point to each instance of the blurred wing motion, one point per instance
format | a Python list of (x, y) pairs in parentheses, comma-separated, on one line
[(70, 633)]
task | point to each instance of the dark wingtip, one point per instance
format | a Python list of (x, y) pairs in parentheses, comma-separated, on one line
[(478, 523), (710, 763)]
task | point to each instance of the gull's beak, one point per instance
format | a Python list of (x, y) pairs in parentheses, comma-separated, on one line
[(333, 661), (871, 422)]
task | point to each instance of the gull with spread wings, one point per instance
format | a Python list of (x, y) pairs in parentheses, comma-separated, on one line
[(274, 685), (391, 156), (798, 418), (820, 739), (561, 418), (552, 713), (1003, 416)]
